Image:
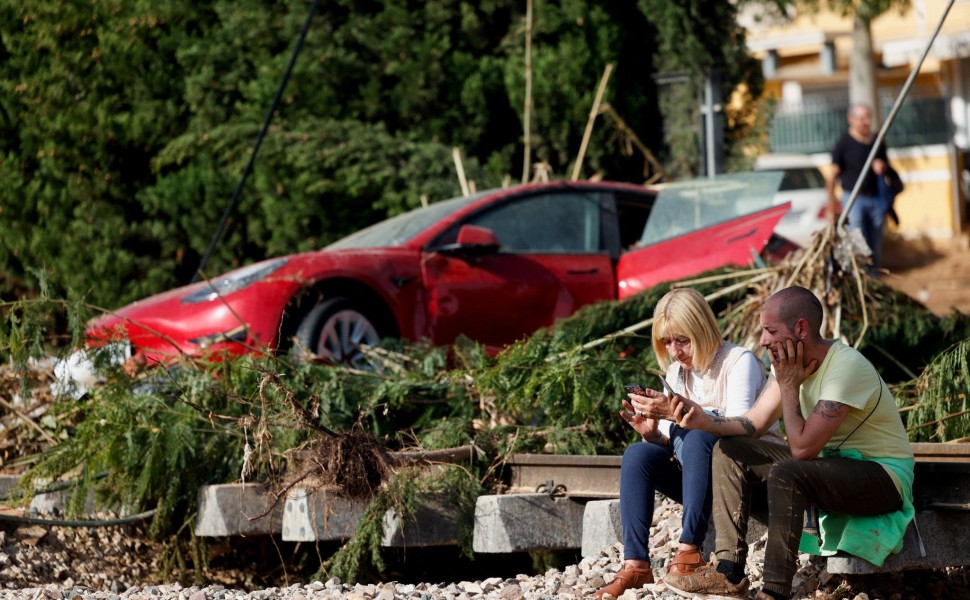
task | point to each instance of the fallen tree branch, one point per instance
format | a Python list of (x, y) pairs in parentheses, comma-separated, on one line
[(28, 421), (443, 455)]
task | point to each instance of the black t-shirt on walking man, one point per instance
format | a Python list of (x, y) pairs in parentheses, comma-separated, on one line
[(850, 155)]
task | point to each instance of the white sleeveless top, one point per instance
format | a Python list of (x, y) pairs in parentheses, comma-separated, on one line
[(729, 386)]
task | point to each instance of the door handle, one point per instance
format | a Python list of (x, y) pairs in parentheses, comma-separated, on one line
[(583, 272)]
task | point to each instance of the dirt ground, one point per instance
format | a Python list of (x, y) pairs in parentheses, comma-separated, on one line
[(937, 273)]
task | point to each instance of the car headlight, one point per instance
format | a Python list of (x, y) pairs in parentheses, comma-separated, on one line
[(234, 281)]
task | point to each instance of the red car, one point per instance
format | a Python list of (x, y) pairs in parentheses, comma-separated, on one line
[(494, 266)]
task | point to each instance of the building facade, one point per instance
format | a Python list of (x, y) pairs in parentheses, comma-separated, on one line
[(805, 58)]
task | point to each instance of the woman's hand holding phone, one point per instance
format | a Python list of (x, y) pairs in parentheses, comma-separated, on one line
[(642, 424), (684, 411), (648, 403)]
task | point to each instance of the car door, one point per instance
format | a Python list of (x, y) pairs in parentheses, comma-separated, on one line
[(733, 242), (551, 261)]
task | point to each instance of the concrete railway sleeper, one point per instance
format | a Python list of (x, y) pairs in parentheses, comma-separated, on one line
[(555, 502)]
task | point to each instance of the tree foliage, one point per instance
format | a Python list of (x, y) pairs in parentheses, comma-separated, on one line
[(941, 409), (127, 125), (690, 47)]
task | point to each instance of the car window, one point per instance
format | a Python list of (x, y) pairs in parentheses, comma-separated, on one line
[(691, 205), (801, 179), (632, 212), (560, 222), (399, 229)]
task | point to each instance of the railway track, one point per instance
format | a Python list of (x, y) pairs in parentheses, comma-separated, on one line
[(559, 502), (942, 475)]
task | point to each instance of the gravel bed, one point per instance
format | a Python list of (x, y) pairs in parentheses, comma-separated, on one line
[(116, 563)]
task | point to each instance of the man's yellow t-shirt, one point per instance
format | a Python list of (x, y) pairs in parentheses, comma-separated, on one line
[(873, 426), (872, 430)]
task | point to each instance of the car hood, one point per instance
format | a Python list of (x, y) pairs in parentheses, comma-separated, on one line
[(294, 272)]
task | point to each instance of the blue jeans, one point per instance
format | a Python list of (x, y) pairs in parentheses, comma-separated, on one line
[(647, 468), (868, 213)]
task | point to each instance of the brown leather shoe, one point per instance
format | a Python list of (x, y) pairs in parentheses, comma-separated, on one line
[(685, 562), (628, 578)]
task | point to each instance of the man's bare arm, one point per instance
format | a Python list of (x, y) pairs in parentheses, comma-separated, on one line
[(828, 409), (753, 423), (745, 422)]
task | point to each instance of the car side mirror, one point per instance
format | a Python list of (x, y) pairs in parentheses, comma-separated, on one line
[(472, 241), (473, 235)]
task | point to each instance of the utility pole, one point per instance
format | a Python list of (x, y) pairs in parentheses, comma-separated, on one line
[(712, 109)]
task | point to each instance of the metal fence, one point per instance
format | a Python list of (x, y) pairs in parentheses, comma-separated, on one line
[(813, 128)]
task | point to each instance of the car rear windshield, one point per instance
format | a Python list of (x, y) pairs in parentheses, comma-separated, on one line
[(687, 206), (398, 230)]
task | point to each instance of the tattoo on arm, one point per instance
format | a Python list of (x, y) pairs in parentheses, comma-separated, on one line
[(829, 409), (749, 428)]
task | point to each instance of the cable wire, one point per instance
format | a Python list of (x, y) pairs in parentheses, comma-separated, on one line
[(79, 522), (259, 140)]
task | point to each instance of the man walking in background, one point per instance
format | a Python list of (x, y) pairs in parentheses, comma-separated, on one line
[(868, 212)]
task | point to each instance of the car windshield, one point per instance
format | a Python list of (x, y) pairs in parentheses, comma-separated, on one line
[(398, 230), (687, 206)]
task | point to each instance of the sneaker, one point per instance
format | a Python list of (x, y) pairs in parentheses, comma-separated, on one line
[(629, 578), (705, 580)]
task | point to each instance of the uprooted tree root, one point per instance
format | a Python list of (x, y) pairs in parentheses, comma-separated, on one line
[(354, 463)]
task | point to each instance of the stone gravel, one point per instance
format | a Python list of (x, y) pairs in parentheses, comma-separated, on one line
[(115, 563)]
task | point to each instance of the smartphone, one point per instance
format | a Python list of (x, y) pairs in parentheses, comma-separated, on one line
[(670, 390), (635, 388)]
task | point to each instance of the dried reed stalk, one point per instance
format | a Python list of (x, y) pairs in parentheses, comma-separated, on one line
[(456, 154), (527, 109), (652, 169), (589, 122)]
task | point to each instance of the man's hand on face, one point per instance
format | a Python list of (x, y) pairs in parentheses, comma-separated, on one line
[(788, 360)]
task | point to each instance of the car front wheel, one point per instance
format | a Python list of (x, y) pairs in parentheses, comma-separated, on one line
[(334, 332)]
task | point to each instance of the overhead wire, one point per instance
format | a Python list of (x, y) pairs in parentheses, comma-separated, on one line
[(259, 140)]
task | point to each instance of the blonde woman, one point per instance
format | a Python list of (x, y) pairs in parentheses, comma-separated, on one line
[(721, 377)]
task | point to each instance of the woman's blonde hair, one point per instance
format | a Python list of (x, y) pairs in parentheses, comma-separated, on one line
[(685, 312)]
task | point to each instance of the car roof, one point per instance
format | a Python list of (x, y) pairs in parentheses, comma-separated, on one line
[(783, 161)]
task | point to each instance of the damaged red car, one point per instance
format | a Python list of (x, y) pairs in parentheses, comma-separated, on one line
[(494, 266)]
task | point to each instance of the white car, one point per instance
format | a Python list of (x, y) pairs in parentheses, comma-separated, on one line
[(803, 185)]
